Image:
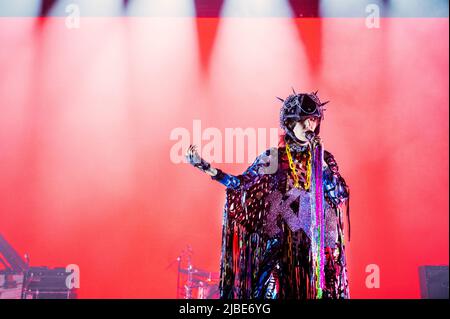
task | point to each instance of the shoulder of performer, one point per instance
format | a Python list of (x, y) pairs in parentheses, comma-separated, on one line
[(330, 161), (265, 163), (335, 185)]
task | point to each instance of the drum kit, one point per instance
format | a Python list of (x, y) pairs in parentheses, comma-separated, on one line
[(196, 283)]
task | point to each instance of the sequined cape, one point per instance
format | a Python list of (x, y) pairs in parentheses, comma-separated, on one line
[(268, 256)]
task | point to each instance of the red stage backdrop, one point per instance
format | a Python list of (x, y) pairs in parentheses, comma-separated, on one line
[(86, 117)]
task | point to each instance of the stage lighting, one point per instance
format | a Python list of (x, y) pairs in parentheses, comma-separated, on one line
[(89, 8), (20, 8), (347, 9), (208, 8), (256, 8), (161, 8), (417, 8)]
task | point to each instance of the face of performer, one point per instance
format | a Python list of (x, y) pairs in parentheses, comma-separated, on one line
[(304, 125)]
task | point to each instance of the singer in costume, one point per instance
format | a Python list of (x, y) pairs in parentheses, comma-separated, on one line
[(283, 222)]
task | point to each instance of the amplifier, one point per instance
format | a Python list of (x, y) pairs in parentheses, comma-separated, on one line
[(11, 285), (433, 282), (45, 283)]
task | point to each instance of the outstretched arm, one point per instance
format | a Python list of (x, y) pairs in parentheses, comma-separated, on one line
[(216, 174)]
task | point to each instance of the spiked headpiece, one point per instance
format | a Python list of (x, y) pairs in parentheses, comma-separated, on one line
[(298, 106)]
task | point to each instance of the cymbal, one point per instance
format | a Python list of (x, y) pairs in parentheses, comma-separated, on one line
[(200, 273), (197, 282)]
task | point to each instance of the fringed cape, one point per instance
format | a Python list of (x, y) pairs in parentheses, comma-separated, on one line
[(267, 240)]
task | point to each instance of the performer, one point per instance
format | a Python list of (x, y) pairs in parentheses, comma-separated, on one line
[(283, 228)]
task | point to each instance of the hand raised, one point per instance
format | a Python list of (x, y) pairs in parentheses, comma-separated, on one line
[(192, 155)]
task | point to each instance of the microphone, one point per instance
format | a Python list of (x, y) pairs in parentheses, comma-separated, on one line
[(310, 135)]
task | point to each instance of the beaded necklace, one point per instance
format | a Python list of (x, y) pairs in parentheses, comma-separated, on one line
[(293, 168)]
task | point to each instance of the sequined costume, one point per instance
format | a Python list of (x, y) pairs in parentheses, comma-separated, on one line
[(283, 221), (266, 245)]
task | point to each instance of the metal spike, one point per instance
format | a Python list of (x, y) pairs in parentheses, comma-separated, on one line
[(315, 93), (324, 103), (280, 99), (294, 91)]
